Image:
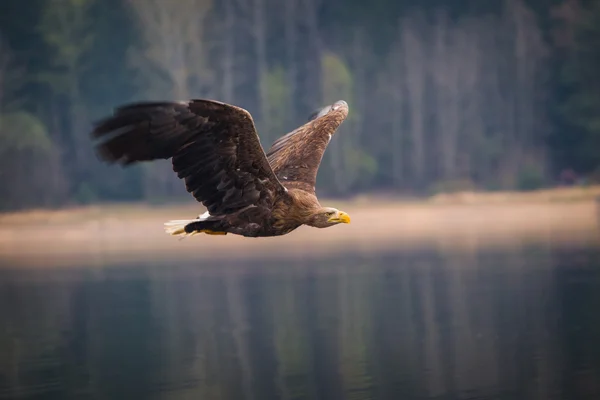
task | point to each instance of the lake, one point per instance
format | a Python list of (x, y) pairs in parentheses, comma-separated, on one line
[(424, 323)]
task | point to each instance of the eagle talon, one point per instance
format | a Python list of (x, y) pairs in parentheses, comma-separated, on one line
[(209, 232)]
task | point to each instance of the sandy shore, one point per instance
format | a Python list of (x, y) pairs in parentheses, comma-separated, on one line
[(134, 233)]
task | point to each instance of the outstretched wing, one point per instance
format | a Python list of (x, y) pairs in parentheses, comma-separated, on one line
[(295, 157), (214, 148)]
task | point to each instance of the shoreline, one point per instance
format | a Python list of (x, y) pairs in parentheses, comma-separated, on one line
[(541, 196), (130, 233)]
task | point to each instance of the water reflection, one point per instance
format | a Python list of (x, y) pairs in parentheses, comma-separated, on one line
[(416, 325)]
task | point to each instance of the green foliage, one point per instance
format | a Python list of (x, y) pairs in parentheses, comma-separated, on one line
[(21, 131), (85, 194), (26, 161), (337, 79), (357, 165), (11, 78), (530, 178), (64, 27), (579, 109), (452, 186), (77, 50), (278, 104), (363, 166)]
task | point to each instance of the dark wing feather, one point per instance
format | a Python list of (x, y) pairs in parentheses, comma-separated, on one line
[(214, 148), (295, 157)]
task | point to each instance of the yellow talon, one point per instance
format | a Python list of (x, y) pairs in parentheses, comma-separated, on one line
[(209, 232)]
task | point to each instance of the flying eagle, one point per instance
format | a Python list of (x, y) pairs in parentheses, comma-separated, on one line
[(215, 149)]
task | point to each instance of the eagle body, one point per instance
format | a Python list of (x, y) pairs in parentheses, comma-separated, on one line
[(286, 214), (215, 150)]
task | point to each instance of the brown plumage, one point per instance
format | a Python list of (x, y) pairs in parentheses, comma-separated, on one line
[(215, 149)]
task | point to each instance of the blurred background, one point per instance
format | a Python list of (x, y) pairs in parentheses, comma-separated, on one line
[(468, 163), (443, 95)]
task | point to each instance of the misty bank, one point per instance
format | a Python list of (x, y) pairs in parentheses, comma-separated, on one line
[(134, 232)]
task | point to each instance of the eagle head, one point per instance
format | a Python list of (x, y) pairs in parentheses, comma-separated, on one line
[(340, 108), (328, 216)]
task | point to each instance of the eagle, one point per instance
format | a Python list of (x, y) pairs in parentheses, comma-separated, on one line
[(215, 149)]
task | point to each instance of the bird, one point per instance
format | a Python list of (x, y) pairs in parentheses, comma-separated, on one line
[(215, 149)]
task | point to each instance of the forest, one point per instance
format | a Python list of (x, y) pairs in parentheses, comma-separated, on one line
[(443, 95)]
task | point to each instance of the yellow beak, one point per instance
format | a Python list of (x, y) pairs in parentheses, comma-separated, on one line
[(341, 217)]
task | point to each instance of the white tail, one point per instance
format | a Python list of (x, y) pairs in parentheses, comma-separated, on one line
[(177, 227)]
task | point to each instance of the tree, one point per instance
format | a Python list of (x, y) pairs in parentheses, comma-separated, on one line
[(579, 109), (337, 85), (308, 53), (172, 64), (531, 74), (443, 96), (228, 57), (467, 98), (446, 64), (277, 111), (171, 57), (347, 162), (64, 27), (414, 68), (10, 76), (259, 33), (290, 35), (394, 89), (29, 167)]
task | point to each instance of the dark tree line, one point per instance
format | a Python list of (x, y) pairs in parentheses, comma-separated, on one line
[(443, 96)]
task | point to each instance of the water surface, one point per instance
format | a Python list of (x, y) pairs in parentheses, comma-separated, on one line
[(520, 323)]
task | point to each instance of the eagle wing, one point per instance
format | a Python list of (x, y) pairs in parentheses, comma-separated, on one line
[(295, 157), (214, 148)]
